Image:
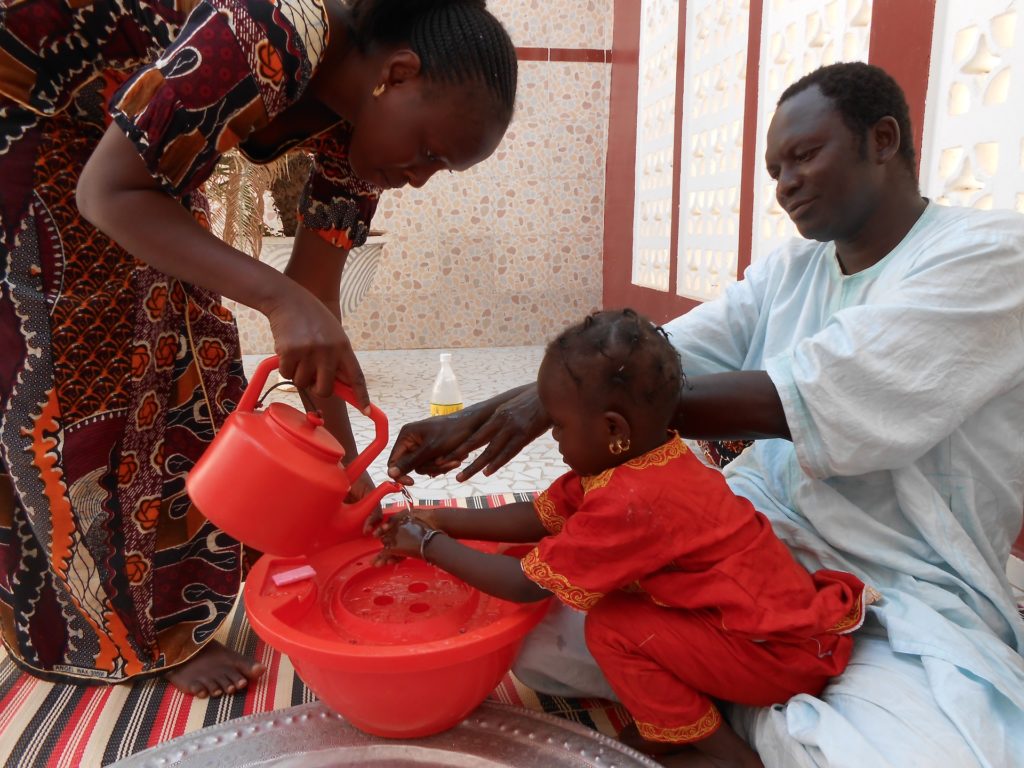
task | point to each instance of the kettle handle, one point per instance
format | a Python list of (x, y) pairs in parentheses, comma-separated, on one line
[(380, 438), (259, 378)]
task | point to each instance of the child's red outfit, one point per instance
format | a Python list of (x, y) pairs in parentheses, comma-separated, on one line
[(691, 596)]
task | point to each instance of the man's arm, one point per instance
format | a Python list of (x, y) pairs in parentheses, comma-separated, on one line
[(506, 424), (737, 405)]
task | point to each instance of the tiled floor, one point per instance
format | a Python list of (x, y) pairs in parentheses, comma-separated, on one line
[(400, 383)]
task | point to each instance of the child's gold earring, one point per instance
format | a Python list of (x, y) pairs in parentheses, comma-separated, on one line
[(618, 447), (379, 90)]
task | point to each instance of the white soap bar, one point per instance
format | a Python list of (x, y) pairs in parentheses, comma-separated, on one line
[(302, 573)]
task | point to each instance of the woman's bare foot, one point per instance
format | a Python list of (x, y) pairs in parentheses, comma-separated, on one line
[(214, 671)]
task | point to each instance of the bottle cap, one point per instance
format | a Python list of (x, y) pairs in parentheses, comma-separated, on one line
[(446, 357)]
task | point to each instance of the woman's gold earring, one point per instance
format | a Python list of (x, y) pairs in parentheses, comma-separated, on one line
[(379, 90)]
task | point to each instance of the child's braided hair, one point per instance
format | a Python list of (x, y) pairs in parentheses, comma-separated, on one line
[(620, 358)]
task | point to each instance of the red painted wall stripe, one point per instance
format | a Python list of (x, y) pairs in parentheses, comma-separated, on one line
[(901, 44), (620, 177), (621, 157), (578, 55), (677, 152), (750, 162)]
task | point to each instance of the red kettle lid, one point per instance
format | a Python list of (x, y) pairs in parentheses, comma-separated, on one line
[(307, 429)]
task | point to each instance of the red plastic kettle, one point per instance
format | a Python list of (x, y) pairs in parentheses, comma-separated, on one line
[(273, 478)]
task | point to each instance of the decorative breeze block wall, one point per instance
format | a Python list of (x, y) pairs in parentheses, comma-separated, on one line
[(974, 119), (712, 145), (797, 37), (655, 130)]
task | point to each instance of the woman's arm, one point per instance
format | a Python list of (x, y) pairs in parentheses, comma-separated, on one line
[(318, 267), (118, 194), (498, 575)]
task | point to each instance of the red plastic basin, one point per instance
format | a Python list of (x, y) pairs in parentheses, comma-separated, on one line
[(401, 651)]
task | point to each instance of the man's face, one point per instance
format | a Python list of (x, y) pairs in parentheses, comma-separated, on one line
[(824, 181), (415, 129)]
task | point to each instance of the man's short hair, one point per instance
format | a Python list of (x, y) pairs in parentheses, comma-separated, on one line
[(863, 94)]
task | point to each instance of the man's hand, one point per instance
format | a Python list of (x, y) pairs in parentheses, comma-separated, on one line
[(505, 424), (513, 425)]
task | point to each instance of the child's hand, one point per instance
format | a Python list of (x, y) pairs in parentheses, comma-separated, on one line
[(379, 525), (429, 516), (401, 536)]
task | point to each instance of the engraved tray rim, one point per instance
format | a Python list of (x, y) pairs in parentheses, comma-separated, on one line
[(252, 740)]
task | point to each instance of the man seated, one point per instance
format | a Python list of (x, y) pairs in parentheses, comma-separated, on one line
[(879, 367)]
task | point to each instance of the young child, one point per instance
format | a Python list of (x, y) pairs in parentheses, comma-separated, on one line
[(690, 596)]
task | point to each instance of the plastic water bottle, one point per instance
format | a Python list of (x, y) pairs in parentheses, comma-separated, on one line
[(445, 397)]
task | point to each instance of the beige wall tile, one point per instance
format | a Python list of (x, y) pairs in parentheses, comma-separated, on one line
[(556, 24), (509, 252)]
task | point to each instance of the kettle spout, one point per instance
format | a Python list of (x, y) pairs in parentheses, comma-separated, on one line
[(379, 493), (351, 517)]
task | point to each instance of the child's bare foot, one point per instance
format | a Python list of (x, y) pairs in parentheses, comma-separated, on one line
[(214, 671)]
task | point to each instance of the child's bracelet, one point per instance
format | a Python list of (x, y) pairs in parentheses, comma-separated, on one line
[(426, 540)]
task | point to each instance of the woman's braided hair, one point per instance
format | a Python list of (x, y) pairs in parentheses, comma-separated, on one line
[(620, 358), (457, 40)]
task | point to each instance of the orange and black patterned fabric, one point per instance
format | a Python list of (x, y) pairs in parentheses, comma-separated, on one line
[(691, 596), (113, 376)]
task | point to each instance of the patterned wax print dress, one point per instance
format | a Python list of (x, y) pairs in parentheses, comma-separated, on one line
[(113, 376), (690, 595)]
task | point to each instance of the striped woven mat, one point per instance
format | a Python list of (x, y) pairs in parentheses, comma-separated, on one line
[(46, 725)]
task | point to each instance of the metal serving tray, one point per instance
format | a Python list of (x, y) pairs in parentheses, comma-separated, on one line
[(311, 736)]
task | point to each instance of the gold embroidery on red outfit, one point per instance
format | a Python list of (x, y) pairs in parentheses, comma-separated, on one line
[(540, 572), (855, 618), (683, 734), (547, 513), (660, 456), (593, 482)]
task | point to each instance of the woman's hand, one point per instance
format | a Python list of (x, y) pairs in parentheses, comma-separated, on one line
[(506, 423), (312, 344)]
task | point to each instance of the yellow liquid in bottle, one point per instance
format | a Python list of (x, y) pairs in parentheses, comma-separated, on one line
[(441, 409)]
